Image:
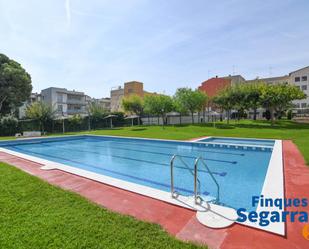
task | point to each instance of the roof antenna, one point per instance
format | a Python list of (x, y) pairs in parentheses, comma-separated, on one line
[(234, 70)]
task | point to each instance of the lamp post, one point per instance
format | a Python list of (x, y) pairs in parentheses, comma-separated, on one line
[(162, 110), (63, 128), (88, 112)]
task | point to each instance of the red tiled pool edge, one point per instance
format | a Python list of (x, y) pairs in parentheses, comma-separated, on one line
[(179, 221)]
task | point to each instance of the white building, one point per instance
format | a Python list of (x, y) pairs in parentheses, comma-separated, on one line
[(300, 78), (65, 102), (105, 103)]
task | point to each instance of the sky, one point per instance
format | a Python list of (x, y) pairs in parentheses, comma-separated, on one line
[(95, 45)]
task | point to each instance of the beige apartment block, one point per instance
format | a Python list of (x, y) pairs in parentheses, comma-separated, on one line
[(116, 98), (133, 88), (272, 80), (130, 88), (300, 78)]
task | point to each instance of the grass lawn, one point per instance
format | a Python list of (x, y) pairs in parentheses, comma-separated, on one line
[(36, 215)]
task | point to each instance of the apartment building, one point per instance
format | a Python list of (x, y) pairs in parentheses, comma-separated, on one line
[(105, 103), (214, 85), (130, 88), (300, 78), (133, 88), (235, 79), (64, 101), (272, 80), (116, 97)]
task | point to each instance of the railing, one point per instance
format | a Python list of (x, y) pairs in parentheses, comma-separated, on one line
[(196, 194), (196, 180)]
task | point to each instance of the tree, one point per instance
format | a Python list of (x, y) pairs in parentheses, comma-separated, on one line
[(133, 105), (226, 101), (75, 122), (8, 125), (15, 85), (190, 100), (253, 96), (279, 97), (237, 97), (158, 105), (41, 112), (96, 112)]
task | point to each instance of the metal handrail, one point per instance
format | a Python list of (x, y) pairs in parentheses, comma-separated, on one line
[(196, 180), (197, 160)]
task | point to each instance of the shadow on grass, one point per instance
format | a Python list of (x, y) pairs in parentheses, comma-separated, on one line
[(138, 129), (225, 126), (258, 124)]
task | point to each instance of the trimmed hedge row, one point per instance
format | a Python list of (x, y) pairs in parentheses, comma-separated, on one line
[(9, 125)]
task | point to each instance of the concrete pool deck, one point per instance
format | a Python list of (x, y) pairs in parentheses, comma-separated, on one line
[(179, 221)]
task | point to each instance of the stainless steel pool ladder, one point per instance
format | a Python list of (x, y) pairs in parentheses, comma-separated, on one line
[(200, 159), (197, 183), (197, 198)]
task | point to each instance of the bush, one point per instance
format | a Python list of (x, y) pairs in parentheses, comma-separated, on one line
[(8, 125)]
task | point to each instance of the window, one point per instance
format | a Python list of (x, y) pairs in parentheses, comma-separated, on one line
[(297, 105), (297, 79), (60, 108), (59, 97), (304, 78), (303, 105), (75, 97), (304, 87)]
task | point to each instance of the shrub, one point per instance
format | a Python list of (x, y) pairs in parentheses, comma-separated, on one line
[(8, 125)]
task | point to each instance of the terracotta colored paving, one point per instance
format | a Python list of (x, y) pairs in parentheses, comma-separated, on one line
[(179, 221)]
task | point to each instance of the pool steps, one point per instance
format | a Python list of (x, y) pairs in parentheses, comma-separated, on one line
[(208, 212)]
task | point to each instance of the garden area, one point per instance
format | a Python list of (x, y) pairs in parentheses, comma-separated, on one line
[(35, 214)]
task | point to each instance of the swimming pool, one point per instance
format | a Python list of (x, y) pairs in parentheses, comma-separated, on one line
[(243, 141), (147, 162), (143, 165)]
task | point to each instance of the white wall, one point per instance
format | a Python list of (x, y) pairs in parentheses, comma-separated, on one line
[(300, 73), (173, 120)]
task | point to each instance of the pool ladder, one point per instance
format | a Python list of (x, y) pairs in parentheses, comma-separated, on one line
[(197, 184)]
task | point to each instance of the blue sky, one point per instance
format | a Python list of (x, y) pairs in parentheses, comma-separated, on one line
[(93, 46)]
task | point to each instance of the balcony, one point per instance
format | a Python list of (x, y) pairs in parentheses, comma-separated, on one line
[(76, 101), (75, 111)]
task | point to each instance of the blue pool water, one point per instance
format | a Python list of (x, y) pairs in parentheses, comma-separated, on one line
[(253, 142), (239, 172)]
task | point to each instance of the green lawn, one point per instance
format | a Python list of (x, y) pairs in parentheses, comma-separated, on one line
[(36, 215), (299, 133)]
